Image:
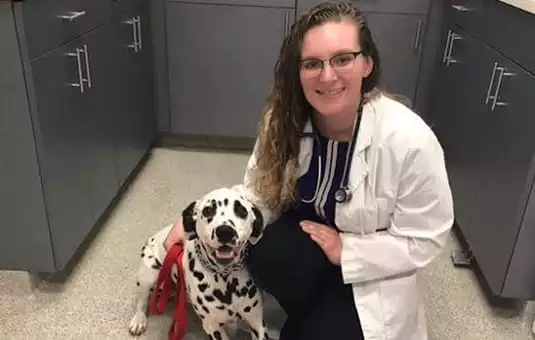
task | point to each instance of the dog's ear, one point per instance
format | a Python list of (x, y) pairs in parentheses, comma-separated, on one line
[(188, 221), (258, 226)]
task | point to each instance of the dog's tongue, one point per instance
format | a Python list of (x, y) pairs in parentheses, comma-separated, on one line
[(225, 253)]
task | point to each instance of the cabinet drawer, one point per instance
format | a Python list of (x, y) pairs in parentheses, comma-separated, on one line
[(383, 6), (511, 36), (49, 23)]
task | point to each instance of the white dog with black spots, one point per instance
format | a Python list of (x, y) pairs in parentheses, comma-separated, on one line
[(219, 228)]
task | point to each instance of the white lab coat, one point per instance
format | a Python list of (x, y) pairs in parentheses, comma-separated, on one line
[(398, 182)]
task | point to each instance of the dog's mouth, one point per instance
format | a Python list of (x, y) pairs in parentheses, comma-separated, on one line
[(226, 253)]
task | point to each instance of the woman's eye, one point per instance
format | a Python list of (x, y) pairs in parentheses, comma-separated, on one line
[(312, 64)]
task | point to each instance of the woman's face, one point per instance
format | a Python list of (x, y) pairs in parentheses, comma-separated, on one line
[(333, 88)]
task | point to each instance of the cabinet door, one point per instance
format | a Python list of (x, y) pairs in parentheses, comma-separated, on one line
[(506, 163), (220, 73), (135, 121), (63, 147), (24, 224), (458, 112), (399, 38), (98, 114)]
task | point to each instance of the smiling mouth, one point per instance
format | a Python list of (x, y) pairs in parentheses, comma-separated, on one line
[(226, 253), (332, 92)]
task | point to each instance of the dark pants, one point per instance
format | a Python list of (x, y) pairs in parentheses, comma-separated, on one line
[(287, 264)]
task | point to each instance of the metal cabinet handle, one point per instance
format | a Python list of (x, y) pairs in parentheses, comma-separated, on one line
[(489, 89), (417, 37), (80, 82), (503, 73), (87, 69), (72, 15), (462, 8), (446, 48), (133, 22), (450, 60), (139, 35)]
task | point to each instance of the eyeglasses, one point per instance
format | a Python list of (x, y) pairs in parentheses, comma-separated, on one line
[(338, 62)]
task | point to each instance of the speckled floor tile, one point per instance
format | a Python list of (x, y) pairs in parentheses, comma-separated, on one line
[(97, 301)]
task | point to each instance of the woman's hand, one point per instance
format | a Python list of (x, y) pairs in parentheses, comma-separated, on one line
[(176, 235), (327, 238)]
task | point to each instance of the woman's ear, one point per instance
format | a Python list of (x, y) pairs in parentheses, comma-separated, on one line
[(368, 67)]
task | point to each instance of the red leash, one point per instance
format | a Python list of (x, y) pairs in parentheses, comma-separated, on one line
[(177, 331)]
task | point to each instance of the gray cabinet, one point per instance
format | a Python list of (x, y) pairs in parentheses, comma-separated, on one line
[(133, 103), (68, 152), (399, 39), (483, 116), (82, 110), (21, 199), (221, 62)]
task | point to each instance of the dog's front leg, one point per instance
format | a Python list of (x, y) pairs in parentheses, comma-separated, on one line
[(145, 280), (254, 316), (214, 331)]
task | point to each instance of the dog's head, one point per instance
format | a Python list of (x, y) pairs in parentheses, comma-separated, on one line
[(224, 221)]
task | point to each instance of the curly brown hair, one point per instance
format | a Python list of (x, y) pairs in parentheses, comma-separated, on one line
[(288, 110)]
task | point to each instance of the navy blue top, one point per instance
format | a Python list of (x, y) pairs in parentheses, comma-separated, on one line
[(322, 209)]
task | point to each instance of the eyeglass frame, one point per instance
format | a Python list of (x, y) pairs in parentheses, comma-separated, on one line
[(355, 54)]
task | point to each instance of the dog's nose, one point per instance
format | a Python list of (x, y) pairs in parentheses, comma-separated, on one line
[(225, 234)]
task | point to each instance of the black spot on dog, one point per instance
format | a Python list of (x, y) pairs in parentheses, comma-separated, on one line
[(239, 210), (266, 335), (216, 278), (152, 240), (203, 287), (201, 316), (199, 301), (221, 324), (249, 283), (255, 332), (252, 292), (230, 313), (210, 298), (198, 275), (142, 255), (150, 257), (138, 284), (157, 264), (247, 309), (220, 307), (217, 335), (206, 310), (225, 202), (255, 303), (175, 276), (225, 298)]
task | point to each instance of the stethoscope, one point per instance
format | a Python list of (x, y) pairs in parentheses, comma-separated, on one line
[(342, 194)]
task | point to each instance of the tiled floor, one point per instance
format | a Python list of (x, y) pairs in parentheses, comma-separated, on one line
[(97, 301)]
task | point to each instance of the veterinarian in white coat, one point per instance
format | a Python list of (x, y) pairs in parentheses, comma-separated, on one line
[(353, 189)]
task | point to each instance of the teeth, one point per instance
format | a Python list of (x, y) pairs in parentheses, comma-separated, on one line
[(331, 92)]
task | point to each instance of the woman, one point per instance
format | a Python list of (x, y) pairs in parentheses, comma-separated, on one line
[(352, 185)]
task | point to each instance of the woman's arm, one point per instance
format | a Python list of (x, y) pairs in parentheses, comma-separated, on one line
[(420, 224)]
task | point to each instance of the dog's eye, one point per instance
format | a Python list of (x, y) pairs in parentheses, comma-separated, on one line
[(240, 210), (209, 211)]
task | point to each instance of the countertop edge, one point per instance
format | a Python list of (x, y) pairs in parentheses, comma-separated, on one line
[(525, 5)]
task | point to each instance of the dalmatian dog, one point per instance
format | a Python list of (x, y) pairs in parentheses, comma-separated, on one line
[(219, 228)]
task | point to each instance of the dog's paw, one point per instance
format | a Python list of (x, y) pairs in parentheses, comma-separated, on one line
[(138, 324)]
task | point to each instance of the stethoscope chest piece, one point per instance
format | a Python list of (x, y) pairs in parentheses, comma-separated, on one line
[(342, 195)]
